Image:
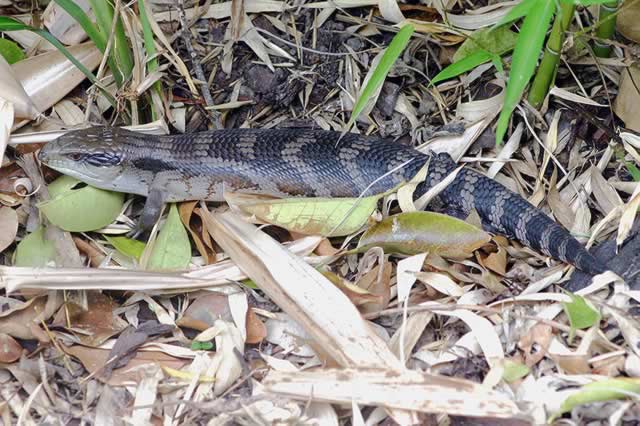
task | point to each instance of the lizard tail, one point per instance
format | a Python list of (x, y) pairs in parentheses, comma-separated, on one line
[(506, 213)]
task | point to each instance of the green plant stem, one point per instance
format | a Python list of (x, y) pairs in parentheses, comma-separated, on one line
[(120, 52), (549, 64), (606, 30)]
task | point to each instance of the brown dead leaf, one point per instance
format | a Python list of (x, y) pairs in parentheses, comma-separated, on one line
[(10, 349), (497, 262), (357, 295), (626, 103), (24, 322), (192, 222), (256, 330), (203, 312), (378, 283), (535, 343), (94, 325), (94, 359), (572, 364)]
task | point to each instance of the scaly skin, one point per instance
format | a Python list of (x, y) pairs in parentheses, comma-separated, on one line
[(294, 162)]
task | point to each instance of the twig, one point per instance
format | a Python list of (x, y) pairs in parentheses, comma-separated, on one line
[(197, 68)]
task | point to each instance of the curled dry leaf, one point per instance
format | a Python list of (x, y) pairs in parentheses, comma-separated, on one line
[(420, 232), (39, 74), (12, 91)]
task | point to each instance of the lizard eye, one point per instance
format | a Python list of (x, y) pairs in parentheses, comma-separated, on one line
[(76, 156)]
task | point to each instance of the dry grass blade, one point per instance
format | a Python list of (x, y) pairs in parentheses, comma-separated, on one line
[(405, 390)]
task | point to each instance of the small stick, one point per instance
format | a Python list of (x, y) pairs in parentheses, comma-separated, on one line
[(197, 68)]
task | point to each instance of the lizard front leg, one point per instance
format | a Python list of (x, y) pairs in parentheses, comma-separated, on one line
[(152, 208)]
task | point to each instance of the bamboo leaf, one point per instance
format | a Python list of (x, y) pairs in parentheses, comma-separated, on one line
[(518, 11), (391, 53), (460, 67), (524, 59)]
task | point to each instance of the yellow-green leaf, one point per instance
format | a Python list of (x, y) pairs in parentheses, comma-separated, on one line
[(172, 250), (77, 207), (419, 232), (127, 246), (580, 313), (498, 41), (514, 371), (311, 216), (604, 390), (35, 251)]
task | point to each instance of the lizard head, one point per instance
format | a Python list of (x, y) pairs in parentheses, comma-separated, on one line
[(89, 155)]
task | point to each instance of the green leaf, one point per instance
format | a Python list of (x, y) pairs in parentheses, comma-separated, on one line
[(581, 315), (127, 246), (391, 53), (633, 171), (460, 67), (11, 51), (524, 60), (77, 207), (498, 41), (419, 232), (518, 11), (604, 390), (201, 346), (311, 216), (514, 371), (172, 250), (35, 251)]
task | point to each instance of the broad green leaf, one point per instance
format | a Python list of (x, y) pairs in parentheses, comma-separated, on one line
[(389, 57), (127, 246), (604, 390), (514, 371), (11, 51), (35, 251), (419, 232), (518, 11), (172, 250), (77, 207), (460, 67), (311, 216), (524, 59), (497, 41), (581, 315)]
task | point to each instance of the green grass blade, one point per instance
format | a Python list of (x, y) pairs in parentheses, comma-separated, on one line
[(121, 53), (85, 22), (524, 60), (389, 57), (150, 49), (465, 64), (518, 11)]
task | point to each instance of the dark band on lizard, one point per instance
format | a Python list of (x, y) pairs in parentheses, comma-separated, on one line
[(295, 162)]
